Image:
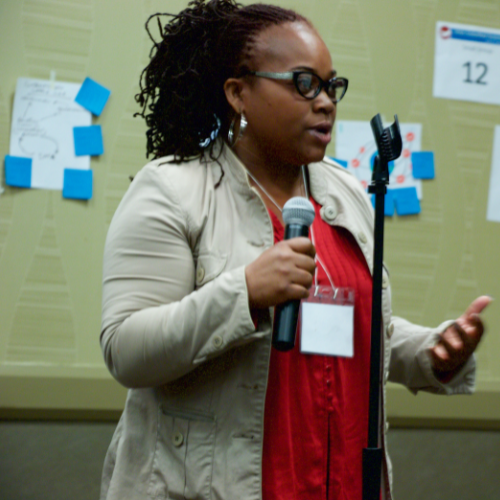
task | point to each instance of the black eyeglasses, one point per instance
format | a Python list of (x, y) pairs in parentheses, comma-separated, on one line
[(309, 84)]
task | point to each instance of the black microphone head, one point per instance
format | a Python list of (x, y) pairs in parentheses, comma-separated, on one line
[(299, 211)]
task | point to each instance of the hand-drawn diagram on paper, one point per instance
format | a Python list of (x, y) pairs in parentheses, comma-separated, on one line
[(355, 144), (44, 115)]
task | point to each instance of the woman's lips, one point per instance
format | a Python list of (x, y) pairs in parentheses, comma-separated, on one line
[(323, 132)]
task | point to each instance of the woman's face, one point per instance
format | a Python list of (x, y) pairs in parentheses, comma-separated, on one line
[(283, 126)]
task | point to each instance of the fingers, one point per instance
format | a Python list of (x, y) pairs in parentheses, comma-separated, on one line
[(283, 272), (472, 326), (440, 353), (296, 253), (456, 345), (305, 262), (297, 292), (301, 245), (478, 305), (454, 338), (295, 270)]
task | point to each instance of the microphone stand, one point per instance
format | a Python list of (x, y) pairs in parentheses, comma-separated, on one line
[(389, 147)]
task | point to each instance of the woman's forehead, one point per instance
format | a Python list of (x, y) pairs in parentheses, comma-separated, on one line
[(288, 45)]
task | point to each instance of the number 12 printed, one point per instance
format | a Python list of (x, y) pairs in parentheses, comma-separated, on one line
[(467, 63)]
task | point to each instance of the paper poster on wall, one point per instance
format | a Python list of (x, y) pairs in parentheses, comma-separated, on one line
[(467, 63), (355, 144), (493, 212), (44, 115)]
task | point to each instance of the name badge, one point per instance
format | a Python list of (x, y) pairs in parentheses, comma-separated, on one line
[(327, 322)]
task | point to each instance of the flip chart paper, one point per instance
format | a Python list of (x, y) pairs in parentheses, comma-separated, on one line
[(493, 212), (355, 144), (43, 118), (467, 63)]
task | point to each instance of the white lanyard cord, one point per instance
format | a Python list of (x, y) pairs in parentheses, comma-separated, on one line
[(321, 263), (269, 196), (316, 258), (263, 190)]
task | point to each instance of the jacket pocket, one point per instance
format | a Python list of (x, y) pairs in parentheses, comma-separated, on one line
[(183, 461), (208, 267)]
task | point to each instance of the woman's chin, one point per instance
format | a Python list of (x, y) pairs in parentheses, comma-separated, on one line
[(315, 156)]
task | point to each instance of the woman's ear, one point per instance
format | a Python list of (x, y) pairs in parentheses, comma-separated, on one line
[(233, 88)]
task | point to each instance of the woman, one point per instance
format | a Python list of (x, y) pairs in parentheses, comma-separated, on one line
[(240, 103)]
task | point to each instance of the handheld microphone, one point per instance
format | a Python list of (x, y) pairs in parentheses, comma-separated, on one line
[(298, 215)]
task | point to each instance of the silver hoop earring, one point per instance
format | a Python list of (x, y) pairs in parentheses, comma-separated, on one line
[(232, 138), (243, 125)]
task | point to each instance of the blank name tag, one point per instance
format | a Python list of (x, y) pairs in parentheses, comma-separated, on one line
[(327, 327)]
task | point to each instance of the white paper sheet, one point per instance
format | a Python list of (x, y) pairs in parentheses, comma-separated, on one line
[(467, 63), (493, 213), (327, 329), (356, 145), (42, 129)]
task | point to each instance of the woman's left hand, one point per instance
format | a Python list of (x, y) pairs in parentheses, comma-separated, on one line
[(459, 341)]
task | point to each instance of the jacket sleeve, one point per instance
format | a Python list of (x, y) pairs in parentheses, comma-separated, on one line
[(155, 326), (410, 363)]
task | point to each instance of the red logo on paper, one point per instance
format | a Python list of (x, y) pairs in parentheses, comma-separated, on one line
[(410, 136), (400, 179), (355, 163), (445, 32)]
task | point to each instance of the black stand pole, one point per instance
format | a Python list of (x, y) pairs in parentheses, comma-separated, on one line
[(389, 146)]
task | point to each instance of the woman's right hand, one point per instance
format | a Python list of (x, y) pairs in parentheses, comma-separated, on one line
[(283, 272)]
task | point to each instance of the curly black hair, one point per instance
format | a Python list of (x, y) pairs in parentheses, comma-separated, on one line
[(181, 89)]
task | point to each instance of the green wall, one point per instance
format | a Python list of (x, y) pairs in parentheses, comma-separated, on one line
[(51, 249)]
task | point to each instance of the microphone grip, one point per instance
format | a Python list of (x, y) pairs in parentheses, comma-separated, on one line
[(286, 315)]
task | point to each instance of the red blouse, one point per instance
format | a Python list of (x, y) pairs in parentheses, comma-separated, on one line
[(316, 415)]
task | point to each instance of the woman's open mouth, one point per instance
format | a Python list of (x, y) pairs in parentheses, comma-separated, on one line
[(323, 132)]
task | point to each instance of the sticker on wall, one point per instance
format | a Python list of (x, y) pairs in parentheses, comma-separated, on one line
[(88, 140), (92, 96), (77, 184), (423, 165), (18, 171)]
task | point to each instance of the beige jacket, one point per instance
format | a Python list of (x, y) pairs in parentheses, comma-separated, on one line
[(176, 328)]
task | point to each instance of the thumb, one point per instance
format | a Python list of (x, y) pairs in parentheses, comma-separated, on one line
[(478, 305)]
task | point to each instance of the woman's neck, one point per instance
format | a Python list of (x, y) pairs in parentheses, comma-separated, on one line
[(276, 182)]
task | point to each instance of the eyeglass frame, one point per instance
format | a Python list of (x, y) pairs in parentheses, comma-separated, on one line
[(294, 75)]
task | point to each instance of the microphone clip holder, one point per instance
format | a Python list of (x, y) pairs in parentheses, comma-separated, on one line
[(389, 146)]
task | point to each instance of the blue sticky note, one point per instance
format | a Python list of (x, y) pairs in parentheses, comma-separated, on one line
[(423, 165), (344, 163), (92, 96), (77, 184), (406, 201), (18, 171), (388, 203), (88, 140)]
